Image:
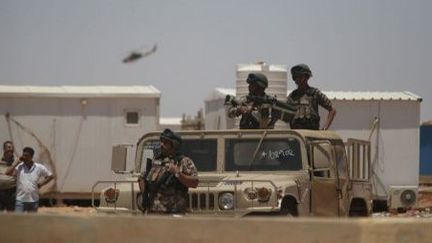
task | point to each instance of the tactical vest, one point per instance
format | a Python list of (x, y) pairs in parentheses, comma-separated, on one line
[(6, 182), (259, 118), (248, 121), (307, 116), (159, 178)]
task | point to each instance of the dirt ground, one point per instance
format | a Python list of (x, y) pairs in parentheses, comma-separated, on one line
[(423, 209), (73, 210)]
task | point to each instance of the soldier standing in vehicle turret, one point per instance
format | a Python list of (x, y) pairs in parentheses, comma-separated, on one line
[(171, 174), (308, 99), (253, 115)]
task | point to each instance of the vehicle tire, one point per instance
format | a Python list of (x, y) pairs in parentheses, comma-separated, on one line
[(48, 202), (358, 208), (379, 206), (289, 207)]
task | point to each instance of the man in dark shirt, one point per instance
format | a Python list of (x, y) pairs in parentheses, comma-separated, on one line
[(7, 183)]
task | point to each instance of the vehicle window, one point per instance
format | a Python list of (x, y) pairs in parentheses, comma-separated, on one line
[(322, 173), (340, 157), (341, 160), (151, 144), (203, 152), (272, 154)]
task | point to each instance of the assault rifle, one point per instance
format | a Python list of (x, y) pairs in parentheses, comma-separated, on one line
[(286, 110), (231, 100), (166, 179), (146, 193)]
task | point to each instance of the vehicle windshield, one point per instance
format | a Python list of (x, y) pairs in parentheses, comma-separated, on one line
[(203, 152), (272, 154)]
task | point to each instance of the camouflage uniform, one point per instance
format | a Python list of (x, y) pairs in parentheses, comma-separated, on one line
[(261, 116), (7, 186), (307, 116), (167, 193)]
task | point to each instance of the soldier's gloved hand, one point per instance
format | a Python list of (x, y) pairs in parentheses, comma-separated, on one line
[(172, 168), (243, 109)]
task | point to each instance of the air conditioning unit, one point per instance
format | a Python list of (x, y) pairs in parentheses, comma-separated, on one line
[(402, 196)]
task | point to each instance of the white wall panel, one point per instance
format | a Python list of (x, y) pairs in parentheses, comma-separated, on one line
[(79, 137)]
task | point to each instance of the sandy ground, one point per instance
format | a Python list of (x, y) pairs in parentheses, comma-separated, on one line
[(72, 210), (424, 208)]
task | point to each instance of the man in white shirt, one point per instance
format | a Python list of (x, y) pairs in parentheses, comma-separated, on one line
[(28, 175)]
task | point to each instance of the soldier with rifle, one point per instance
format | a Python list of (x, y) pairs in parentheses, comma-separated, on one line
[(165, 183), (254, 114), (259, 110)]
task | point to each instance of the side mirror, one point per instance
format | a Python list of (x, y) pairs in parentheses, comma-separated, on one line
[(118, 159)]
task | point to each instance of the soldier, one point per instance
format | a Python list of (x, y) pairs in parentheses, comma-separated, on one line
[(307, 99), (169, 178), (253, 115), (7, 183)]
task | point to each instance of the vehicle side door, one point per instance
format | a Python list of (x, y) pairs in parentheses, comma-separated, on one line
[(325, 184)]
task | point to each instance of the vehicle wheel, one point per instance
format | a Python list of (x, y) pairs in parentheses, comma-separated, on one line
[(379, 206), (358, 208), (289, 207)]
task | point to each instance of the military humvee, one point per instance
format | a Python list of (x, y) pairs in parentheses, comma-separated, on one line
[(250, 172)]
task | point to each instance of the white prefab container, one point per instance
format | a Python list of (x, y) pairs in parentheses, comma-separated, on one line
[(73, 128), (276, 75), (173, 123), (390, 120), (215, 111)]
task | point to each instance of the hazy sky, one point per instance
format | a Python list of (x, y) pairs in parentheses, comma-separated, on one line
[(366, 45)]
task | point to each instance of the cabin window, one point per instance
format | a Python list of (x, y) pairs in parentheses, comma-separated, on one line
[(132, 118), (341, 160)]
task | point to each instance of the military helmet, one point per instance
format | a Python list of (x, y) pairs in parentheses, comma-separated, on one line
[(257, 78), (301, 69), (171, 136)]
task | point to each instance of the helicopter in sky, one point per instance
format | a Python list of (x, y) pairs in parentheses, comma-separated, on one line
[(135, 55)]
